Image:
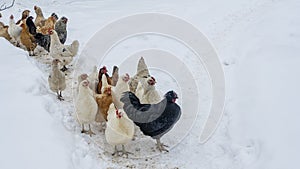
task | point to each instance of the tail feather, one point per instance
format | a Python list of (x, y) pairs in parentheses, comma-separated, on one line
[(74, 47), (115, 75), (129, 98)]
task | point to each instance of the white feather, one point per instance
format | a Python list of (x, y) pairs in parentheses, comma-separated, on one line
[(151, 95), (14, 30), (104, 83), (64, 53), (119, 131), (117, 91), (86, 105)]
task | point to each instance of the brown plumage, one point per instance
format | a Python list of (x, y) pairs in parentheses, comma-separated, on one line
[(27, 40), (115, 76), (25, 14), (49, 25), (4, 32), (110, 80), (103, 100), (102, 71)]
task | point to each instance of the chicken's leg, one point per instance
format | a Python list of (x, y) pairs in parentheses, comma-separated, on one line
[(125, 152), (90, 132), (115, 152), (59, 96), (161, 146), (101, 128), (82, 128), (30, 53), (122, 152)]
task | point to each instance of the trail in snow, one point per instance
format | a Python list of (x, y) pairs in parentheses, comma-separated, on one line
[(236, 144)]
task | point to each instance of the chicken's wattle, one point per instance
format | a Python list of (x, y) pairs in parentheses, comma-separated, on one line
[(118, 114)]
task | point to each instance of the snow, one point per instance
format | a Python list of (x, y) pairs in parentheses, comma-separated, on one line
[(30, 137), (257, 42)]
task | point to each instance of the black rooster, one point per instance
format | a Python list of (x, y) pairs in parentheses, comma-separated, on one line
[(154, 120), (40, 39)]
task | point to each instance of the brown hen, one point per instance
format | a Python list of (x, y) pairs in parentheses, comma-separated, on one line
[(49, 24), (27, 40), (103, 100)]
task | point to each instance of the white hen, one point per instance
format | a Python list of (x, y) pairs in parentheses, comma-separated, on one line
[(14, 30), (151, 95), (121, 87), (65, 53), (81, 78), (119, 129), (86, 106)]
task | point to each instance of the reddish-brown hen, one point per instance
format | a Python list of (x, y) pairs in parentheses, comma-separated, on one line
[(103, 100), (49, 24)]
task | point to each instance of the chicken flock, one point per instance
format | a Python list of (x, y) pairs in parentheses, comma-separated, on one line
[(117, 103)]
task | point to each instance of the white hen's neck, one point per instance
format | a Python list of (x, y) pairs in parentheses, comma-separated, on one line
[(149, 88), (54, 39)]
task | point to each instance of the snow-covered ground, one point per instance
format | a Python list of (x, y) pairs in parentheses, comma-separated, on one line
[(257, 42)]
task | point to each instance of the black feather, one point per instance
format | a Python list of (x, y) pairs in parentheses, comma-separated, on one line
[(153, 119), (40, 39), (31, 25), (43, 40)]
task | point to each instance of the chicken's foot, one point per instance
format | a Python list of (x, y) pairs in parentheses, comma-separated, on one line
[(121, 152), (161, 146), (18, 44), (125, 152), (90, 132), (101, 128), (59, 96)]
